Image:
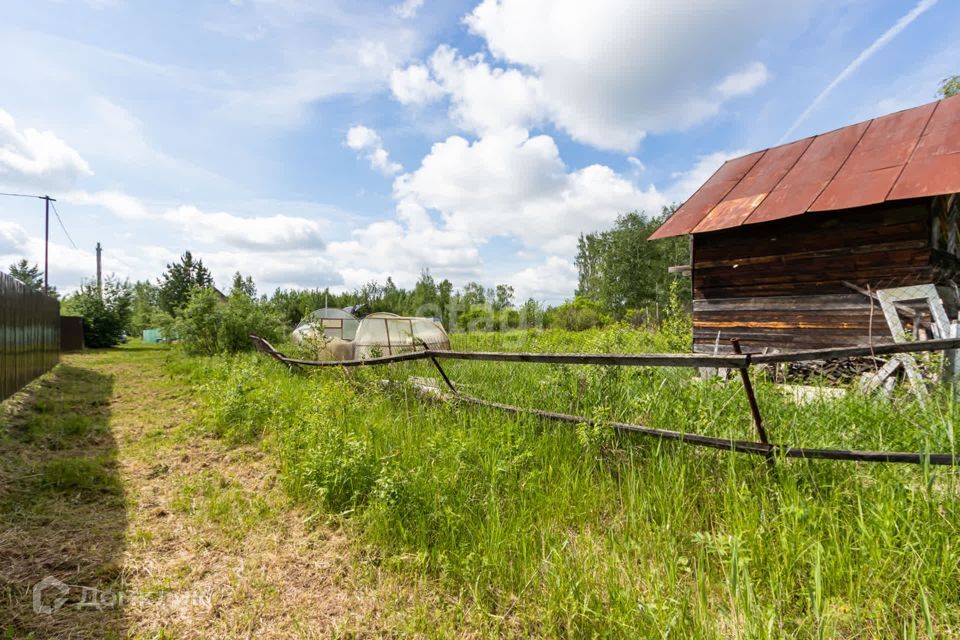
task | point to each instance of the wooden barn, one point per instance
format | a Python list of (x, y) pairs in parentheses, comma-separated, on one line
[(787, 242)]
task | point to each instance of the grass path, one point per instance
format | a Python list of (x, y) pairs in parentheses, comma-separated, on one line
[(105, 482)]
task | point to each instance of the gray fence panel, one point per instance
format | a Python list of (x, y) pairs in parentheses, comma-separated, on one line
[(29, 334)]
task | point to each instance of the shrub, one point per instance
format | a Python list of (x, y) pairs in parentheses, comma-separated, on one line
[(105, 318), (577, 315), (210, 324), (676, 330)]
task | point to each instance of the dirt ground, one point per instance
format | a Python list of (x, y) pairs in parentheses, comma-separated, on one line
[(119, 518)]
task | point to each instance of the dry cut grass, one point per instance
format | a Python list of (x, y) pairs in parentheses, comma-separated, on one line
[(105, 483)]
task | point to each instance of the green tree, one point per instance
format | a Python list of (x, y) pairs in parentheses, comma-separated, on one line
[(949, 87), (589, 263), (106, 317), (209, 325), (392, 300), (622, 270), (424, 299), (32, 276), (244, 286), (473, 293), (445, 299), (502, 297), (181, 278), (531, 314), (146, 312)]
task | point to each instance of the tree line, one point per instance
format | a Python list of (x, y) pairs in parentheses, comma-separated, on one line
[(621, 277)]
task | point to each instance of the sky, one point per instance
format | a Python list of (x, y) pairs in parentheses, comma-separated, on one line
[(325, 143)]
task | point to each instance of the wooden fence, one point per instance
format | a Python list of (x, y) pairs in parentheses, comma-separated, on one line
[(29, 334)]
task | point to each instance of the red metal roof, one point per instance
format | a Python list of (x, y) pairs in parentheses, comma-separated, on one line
[(908, 154)]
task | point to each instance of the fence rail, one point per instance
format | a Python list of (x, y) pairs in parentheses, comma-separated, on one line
[(741, 362), (29, 334), (727, 361)]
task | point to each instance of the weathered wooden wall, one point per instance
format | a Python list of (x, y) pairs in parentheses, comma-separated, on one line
[(780, 284)]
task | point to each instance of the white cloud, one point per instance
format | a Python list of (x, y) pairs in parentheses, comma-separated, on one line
[(413, 85), (464, 194), (745, 81), (116, 202), (67, 264), (687, 182), (366, 140), (12, 238), (276, 251), (408, 8), (308, 52), (484, 98), (37, 159), (289, 269), (509, 184), (263, 233), (553, 280), (610, 71), (402, 248)]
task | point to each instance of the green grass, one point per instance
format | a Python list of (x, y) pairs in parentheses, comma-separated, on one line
[(80, 474), (212, 498), (542, 528)]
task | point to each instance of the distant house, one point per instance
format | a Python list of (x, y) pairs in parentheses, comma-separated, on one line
[(779, 235)]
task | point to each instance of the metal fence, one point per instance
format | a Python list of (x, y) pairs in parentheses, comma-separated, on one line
[(29, 334), (741, 362)]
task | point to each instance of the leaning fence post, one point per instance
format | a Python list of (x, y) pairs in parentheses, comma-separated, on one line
[(751, 397), (951, 367), (444, 375)]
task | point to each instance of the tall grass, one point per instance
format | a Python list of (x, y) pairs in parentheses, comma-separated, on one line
[(553, 529)]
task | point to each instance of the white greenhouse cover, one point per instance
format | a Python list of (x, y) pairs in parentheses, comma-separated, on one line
[(336, 323), (387, 334), (378, 334)]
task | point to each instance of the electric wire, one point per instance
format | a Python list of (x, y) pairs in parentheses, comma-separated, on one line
[(20, 195), (67, 233)]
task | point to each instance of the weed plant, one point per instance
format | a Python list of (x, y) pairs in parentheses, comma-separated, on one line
[(561, 530)]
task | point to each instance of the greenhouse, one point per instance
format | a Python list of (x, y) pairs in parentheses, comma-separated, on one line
[(336, 323), (378, 334), (387, 334)]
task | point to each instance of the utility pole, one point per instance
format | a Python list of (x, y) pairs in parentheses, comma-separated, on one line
[(99, 272), (46, 234), (46, 245)]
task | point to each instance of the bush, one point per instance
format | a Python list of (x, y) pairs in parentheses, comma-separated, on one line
[(105, 318), (577, 315), (210, 324), (484, 317)]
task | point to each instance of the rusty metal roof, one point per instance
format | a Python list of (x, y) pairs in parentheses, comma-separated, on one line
[(908, 154)]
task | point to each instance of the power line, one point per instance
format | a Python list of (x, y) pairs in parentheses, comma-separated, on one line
[(20, 195), (46, 233), (57, 213)]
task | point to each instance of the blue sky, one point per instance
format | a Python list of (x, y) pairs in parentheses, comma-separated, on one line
[(315, 143)]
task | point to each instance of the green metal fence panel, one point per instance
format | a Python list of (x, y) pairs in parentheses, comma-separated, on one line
[(152, 336), (29, 334)]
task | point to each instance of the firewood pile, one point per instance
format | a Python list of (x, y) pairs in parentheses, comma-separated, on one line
[(841, 372)]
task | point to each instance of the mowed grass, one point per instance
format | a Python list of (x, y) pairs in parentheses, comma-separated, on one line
[(107, 483), (538, 528)]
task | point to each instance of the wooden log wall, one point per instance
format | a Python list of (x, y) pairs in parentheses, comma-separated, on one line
[(779, 285)]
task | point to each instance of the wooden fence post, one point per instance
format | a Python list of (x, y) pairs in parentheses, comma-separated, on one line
[(951, 364)]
